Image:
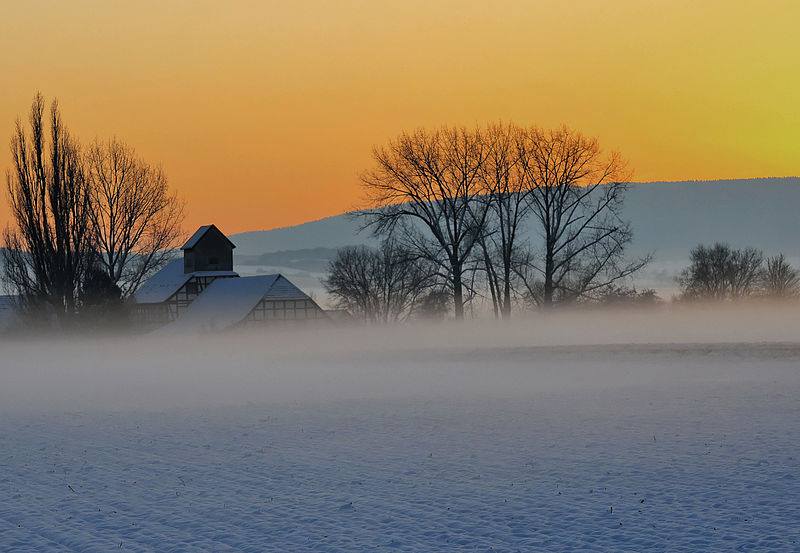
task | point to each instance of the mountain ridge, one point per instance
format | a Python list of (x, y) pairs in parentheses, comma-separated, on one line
[(666, 219)]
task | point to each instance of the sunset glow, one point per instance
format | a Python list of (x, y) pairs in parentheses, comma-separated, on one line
[(263, 114)]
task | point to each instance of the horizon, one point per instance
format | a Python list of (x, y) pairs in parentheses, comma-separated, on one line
[(264, 115)]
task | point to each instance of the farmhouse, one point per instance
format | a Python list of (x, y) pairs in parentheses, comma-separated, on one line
[(203, 292)]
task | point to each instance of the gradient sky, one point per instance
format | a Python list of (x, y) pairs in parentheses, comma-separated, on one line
[(264, 113)]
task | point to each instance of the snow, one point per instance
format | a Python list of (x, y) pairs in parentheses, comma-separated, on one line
[(334, 441), (282, 289), (159, 287)]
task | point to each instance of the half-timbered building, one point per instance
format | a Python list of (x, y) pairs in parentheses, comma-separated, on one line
[(203, 292)]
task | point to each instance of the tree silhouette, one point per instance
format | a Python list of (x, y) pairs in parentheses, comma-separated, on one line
[(426, 190), (50, 245), (135, 218)]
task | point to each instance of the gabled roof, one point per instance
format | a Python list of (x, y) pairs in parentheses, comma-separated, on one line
[(226, 302), (163, 284), (282, 289), (159, 287), (199, 233)]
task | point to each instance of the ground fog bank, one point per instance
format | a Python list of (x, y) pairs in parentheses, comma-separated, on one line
[(481, 358)]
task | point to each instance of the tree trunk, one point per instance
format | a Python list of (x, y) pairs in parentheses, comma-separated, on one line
[(505, 307), (549, 269), (458, 291), (491, 277)]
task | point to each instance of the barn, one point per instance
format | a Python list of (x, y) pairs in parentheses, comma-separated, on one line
[(202, 292)]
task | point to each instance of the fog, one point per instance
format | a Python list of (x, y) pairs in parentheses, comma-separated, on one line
[(474, 359)]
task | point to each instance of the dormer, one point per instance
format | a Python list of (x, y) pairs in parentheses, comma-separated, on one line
[(208, 250)]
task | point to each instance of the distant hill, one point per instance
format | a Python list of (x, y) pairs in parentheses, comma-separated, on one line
[(668, 219), (314, 260), (331, 232)]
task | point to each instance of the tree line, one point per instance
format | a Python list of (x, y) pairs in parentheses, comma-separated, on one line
[(383, 284), (453, 203), (90, 223), (722, 273)]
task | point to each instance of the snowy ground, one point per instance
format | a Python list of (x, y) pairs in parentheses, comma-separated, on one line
[(658, 447)]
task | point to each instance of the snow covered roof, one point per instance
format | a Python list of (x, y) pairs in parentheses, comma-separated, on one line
[(226, 302), (199, 233), (282, 289), (163, 284), (159, 287)]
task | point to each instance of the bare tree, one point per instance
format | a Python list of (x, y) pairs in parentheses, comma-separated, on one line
[(380, 285), (779, 279), (426, 189), (136, 219), (719, 272), (349, 280), (508, 199), (576, 195), (49, 245)]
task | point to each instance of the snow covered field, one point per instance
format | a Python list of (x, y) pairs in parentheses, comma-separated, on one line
[(618, 439)]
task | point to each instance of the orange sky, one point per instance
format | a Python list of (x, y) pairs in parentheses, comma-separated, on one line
[(263, 113)]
